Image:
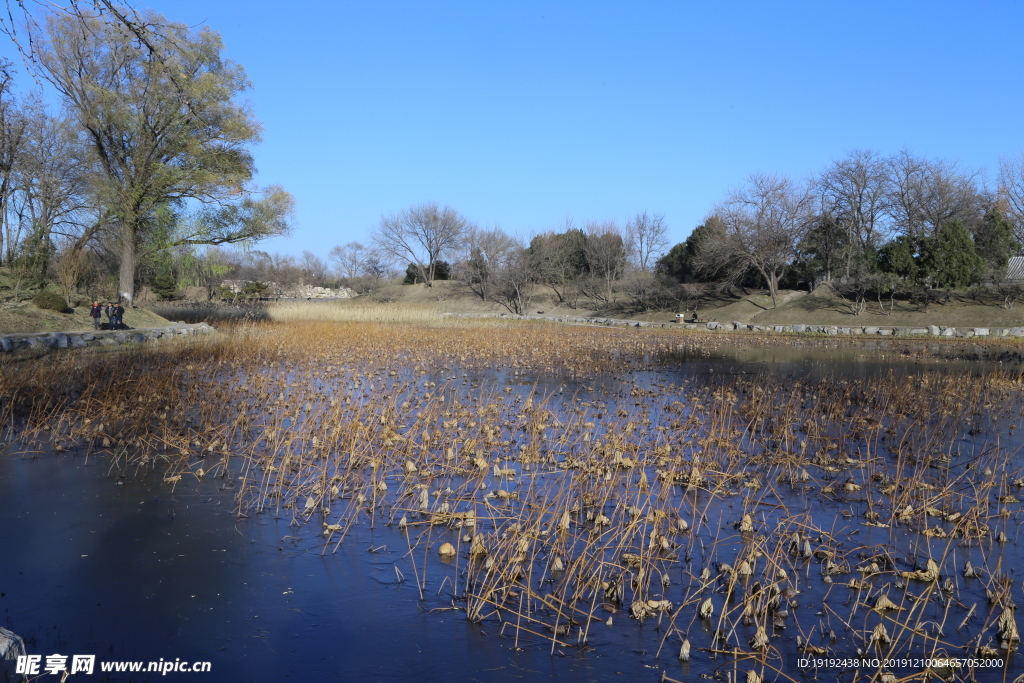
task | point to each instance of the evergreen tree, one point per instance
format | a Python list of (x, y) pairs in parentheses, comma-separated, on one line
[(952, 260), (681, 260), (994, 241), (904, 257)]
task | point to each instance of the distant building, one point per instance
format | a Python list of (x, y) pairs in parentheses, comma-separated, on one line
[(1015, 269)]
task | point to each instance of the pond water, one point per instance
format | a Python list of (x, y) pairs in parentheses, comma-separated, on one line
[(96, 559), (120, 567)]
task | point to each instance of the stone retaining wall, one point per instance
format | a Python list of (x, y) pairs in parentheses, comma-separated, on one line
[(891, 331), (78, 340)]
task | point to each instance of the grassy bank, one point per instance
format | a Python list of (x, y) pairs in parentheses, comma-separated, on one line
[(27, 317)]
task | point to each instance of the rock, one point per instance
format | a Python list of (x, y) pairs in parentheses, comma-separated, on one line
[(920, 330), (77, 342), (934, 330), (712, 325), (800, 329), (11, 647), (948, 332), (5, 344), (885, 331), (88, 336), (1015, 332), (870, 330), (980, 331), (964, 333), (446, 550)]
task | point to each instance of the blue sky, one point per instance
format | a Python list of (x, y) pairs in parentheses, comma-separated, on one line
[(521, 114)]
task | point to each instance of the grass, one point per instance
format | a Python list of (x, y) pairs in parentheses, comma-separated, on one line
[(747, 517), (26, 317)]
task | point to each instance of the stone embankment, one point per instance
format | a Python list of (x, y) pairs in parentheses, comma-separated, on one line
[(846, 330), (81, 340)]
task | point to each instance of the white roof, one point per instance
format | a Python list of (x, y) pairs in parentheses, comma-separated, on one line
[(1015, 268)]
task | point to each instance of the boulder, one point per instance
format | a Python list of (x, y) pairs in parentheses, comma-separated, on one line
[(870, 330), (800, 329), (948, 332), (11, 647), (77, 342), (1015, 332), (920, 330), (933, 330), (980, 331), (5, 344)]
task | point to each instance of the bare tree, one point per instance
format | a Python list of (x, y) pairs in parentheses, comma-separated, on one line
[(925, 195), (606, 258), (349, 259), (69, 266), (422, 235), (513, 282), (314, 268), (377, 266), (489, 252), (1011, 192), (854, 192), (13, 125), (764, 222), (646, 239)]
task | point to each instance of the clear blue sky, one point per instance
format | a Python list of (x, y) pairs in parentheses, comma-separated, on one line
[(519, 114)]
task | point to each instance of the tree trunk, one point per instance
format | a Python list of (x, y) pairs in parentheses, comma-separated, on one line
[(126, 280), (773, 285)]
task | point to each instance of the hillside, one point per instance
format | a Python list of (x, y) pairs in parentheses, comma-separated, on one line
[(820, 307), (26, 317)]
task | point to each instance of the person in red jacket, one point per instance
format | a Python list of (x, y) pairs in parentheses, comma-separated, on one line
[(95, 312)]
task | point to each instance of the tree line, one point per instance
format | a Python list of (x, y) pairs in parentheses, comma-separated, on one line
[(869, 225), (147, 162)]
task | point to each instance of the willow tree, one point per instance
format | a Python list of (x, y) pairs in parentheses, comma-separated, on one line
[(156, 104)]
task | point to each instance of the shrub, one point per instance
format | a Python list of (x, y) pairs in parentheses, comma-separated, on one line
[(50, 300)]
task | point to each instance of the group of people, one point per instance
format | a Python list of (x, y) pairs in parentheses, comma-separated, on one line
[(114, 313)]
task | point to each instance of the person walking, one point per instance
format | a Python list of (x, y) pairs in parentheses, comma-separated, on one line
[(118, 317), (95, 313), (108, 309)]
